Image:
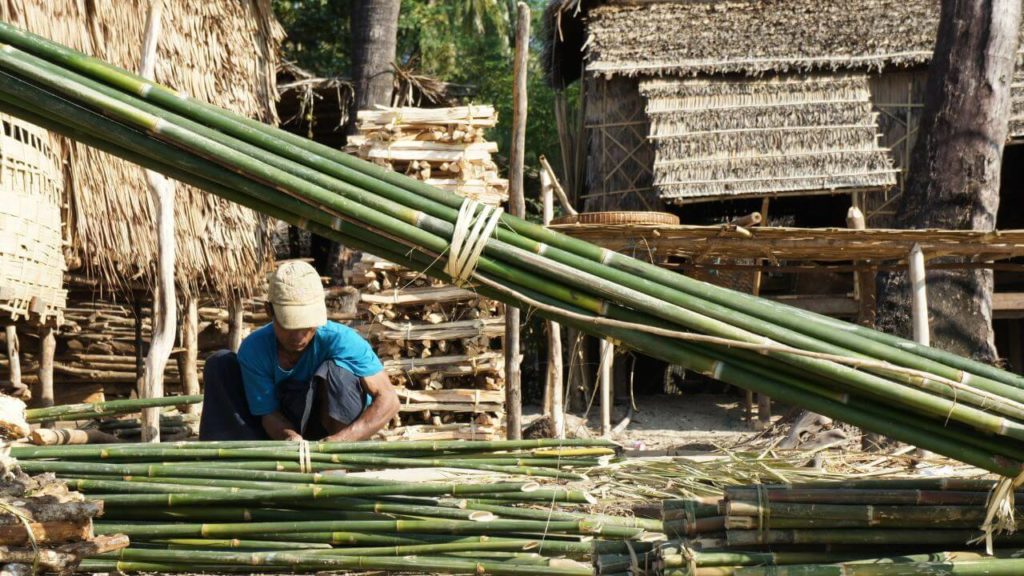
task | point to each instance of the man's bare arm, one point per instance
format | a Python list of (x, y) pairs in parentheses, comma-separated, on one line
[(383, 408), (279, 428)]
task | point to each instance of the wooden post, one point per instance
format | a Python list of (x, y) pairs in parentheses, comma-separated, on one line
[(764, 402), (164, 306), (605, 382), (864, 280), (47, 348), (236, 323), (189, 359), (14, 359), (554, 388), (919, 296), (516, 207)]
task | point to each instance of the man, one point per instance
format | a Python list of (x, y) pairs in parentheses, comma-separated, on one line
[(301, 377)]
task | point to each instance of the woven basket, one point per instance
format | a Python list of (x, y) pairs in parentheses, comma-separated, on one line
[(31, 257), (609, 218)]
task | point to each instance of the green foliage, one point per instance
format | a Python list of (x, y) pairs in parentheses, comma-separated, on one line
[(465, 42), (318, 34)]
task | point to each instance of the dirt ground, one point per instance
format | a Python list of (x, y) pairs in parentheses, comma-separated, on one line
[(683, 423)]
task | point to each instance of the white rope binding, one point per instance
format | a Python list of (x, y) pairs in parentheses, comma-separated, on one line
[(472, 230)]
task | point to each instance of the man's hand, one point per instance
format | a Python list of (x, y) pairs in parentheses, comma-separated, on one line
[(280, 428), (383, 408)]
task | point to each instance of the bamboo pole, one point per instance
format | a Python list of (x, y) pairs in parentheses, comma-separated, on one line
[(516, 207), (165, 310), (554, 389), (919, 295), (189, 359), (604, 378)]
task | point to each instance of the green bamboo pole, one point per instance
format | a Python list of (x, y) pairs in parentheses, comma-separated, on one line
[(212, 543), (226, 514), (985, 567), (858, 496), (434, 526), (98, 409), (93, 566), (535, 514), (861, 537), (305, 561)]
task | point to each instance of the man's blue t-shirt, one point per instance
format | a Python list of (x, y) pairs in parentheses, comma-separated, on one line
[(261, 373)]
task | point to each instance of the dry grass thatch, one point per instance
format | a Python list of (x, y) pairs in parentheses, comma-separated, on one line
[(221, 51), (724, 137)]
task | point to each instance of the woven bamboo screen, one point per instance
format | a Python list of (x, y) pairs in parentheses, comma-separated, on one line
[(720, 138), (31, 257)]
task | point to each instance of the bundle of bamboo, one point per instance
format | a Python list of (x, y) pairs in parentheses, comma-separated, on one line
[(938, 401), (302, 507), (823, 528)]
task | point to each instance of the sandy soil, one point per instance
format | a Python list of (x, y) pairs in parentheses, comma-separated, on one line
[(688, 422)]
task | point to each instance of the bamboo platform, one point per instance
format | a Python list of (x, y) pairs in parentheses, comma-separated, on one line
[(779, 243)]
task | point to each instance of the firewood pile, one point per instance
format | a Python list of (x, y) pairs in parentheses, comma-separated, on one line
[(45, 525), (444, 147), (440, 344), (441, 347), (96, 348)]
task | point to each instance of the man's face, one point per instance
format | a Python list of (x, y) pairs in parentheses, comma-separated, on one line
[(293, 340)]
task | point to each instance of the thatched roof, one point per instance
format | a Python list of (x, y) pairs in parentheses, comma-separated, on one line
[(721, 137), (221, 51)]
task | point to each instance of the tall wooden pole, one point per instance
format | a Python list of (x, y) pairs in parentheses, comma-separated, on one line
[(554, 386), (189, 359), (164, 307), (516, 207), (14, 359)]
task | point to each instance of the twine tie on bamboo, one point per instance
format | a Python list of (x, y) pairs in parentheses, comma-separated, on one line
[(690, 557), (999, 515), (763, 513), (305, 460), (469, 238)]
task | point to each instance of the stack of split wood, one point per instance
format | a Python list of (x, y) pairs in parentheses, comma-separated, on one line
[(96, 348), (444, 147), (440, 344), (44, 525)]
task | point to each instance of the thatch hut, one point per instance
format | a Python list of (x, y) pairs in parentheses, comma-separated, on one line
[(692, 101), (222, 51)]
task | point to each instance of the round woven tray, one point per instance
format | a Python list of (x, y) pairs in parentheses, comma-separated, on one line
[(619, 218)]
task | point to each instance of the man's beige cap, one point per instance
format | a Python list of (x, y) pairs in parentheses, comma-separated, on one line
[(297, 296)]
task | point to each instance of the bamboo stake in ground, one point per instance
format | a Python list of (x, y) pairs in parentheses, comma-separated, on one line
[(47, 347), (554, 380), (188, 360), (164, 306), (14, 361)]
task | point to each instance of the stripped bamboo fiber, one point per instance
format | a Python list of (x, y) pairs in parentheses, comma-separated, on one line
[(916, 394)]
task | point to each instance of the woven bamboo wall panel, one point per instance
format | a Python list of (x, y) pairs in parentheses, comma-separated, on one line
[(786, 135), (31, 257)]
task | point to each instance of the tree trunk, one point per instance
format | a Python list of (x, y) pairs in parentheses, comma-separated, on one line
[(165, 311), (374, 42), (954, 169)]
